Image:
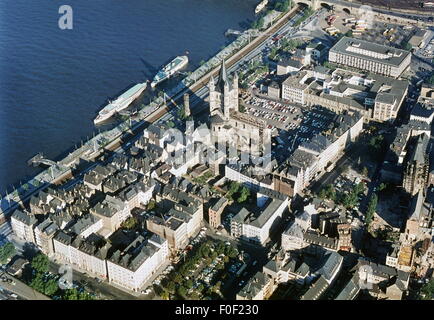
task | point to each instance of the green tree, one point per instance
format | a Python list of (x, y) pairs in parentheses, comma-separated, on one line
[(273, 53), (349, 200), (70, 294), (282, 6), (182, 291), (194, 296), (359, 188), (244, 194), (365, 171), (258, 24), (204, 250), (220, 248), (7, 251), (130, 223), (382, 186), (151, 205), (183, 270), (38, 283), (427, 291), (158, 290), (171, 287), (181, 113), (50, 287), (407, 46), (322, 194), (85, 296), (188, 284), (213, 255), (164, 295), (40, 263), (372, 206), (233, 253), (233, 188), (178, 278), (328, 192)]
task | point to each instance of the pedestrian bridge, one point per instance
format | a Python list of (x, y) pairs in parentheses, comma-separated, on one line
[(39, 159)]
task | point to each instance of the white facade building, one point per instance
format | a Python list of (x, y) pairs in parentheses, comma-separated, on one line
[(369, 56), (22, 224), (132, 269), (257, 228)]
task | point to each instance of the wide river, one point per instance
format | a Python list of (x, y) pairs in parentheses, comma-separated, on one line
[(53, 82)]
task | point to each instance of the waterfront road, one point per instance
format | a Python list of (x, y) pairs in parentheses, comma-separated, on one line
[(21, 289)]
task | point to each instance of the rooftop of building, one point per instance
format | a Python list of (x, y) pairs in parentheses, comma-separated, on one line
[(84, 223), (317, 290), (253, 286), (298, 80), (135, 254), (313, 237), (25, 217), (260, 218), (109, 206), (384, 54), (350, 291)]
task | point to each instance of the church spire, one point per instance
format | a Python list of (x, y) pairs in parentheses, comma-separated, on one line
[(223, 77)]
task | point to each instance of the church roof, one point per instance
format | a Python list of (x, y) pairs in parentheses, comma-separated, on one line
[(215, 119)]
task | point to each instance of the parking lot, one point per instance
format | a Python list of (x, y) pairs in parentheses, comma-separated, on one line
[(275, 113), (209, 265), (296, 124), (306, 123)]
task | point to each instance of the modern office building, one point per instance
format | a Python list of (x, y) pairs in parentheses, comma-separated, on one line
[(370, 56)]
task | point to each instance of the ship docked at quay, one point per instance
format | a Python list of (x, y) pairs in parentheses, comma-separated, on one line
[(122, 102), (169, 70), (261, 6)]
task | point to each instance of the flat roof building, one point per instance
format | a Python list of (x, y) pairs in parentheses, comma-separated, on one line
[(370, 56)]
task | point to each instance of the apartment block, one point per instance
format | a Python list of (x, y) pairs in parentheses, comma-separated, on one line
[(23, 223), (133, 266)]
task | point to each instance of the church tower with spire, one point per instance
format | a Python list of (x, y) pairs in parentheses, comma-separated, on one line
[(223, 94), (230, 126)]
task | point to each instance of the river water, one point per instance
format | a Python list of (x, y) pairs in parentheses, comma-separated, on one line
[(53, 82)]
